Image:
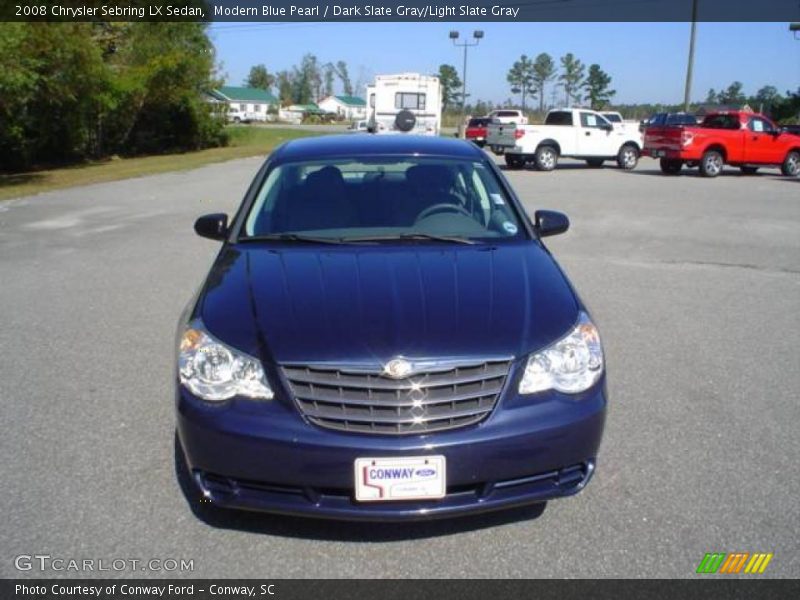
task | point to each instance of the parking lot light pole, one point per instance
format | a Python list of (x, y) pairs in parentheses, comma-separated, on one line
[(688, 89), (478, 36)]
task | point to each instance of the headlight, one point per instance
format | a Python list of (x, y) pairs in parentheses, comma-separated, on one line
[(571, 365), (213, 371)]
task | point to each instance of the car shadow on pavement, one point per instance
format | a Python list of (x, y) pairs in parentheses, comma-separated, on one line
[(329, 530), (727, 173), (560, 167)]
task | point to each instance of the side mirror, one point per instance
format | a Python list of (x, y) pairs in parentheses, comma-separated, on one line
[(607, 126), (550, 222), (213, 226)]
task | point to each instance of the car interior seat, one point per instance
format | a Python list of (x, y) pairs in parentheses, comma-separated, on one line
[(320, 202)]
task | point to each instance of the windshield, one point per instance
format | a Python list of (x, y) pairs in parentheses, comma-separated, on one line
[(382, 197)]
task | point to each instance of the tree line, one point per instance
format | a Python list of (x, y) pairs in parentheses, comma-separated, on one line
[(782, 108), (571, 81), (81, 91), (767, 99), (307, 82), (530, 77)]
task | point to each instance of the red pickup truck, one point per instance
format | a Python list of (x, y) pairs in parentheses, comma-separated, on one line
[(476, 130), (739, 138)]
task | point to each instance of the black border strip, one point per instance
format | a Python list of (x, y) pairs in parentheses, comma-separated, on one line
[(400, 10), (731, 588)]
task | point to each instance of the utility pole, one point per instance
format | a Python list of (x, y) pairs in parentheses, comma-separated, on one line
[(478, 36), (688, 89)]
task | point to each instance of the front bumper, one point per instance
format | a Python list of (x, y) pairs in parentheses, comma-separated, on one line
[(265, 456)]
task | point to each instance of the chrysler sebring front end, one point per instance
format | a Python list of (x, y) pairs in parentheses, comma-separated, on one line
[(383, 336)]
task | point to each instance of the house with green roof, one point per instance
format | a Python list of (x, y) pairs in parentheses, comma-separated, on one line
[(245, 104), (351, 108), (295, 113)]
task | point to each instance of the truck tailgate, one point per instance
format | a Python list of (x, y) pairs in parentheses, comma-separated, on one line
[(501, 135), (663, 138)]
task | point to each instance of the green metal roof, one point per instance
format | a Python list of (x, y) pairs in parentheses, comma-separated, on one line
[(351, 100), (216, 95), (246, 94)]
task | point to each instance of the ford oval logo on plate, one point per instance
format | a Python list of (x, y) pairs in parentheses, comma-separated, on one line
[(400, 478), (398, 368)]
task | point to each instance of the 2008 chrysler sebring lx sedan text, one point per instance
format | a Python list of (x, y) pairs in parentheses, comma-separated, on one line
[(383, 336)]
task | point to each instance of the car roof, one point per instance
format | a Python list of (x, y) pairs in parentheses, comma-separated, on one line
[(374, 145)]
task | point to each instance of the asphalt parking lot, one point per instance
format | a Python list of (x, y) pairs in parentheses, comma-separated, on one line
[(695, 284)]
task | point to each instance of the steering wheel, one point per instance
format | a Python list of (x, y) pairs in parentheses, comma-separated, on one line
[(443, 207)]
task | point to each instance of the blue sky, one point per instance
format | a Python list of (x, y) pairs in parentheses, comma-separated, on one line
[(647, 61)]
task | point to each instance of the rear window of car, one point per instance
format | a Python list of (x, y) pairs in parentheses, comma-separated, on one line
[(665, 119), (681, 119), (559, 118), (346, 198), (506, 113), (478, 122), (722, 122)]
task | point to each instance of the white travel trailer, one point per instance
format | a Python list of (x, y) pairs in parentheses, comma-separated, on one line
[(405, 103)]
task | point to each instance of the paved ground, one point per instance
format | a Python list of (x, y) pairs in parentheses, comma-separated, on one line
[(695, 284)]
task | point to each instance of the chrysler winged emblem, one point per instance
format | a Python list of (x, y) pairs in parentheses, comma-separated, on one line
[(398, 368)]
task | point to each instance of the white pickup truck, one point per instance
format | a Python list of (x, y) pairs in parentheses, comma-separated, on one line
[(571, 132), (508, 116)]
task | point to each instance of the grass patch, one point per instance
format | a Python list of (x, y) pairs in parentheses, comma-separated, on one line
[(244, 141)]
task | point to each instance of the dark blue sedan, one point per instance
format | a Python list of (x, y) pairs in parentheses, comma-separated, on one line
[(384, 336)]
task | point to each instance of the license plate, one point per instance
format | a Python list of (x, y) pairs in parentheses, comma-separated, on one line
[(400, 478), (479, 138)]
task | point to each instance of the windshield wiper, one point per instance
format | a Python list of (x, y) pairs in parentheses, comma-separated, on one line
[(298, 237), (453, 239), (292, 237)]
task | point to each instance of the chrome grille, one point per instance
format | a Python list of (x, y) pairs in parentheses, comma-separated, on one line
[(440, 398)]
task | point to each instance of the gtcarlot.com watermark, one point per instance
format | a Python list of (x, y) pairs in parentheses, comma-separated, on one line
[(46, 562)]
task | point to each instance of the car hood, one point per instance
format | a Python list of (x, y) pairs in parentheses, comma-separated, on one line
[(367, 304)]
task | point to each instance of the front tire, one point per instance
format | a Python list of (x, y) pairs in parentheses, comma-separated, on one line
[(711, 164), (791, 165), (514, 161), (628, 157), (670, 166), (546, 158)]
